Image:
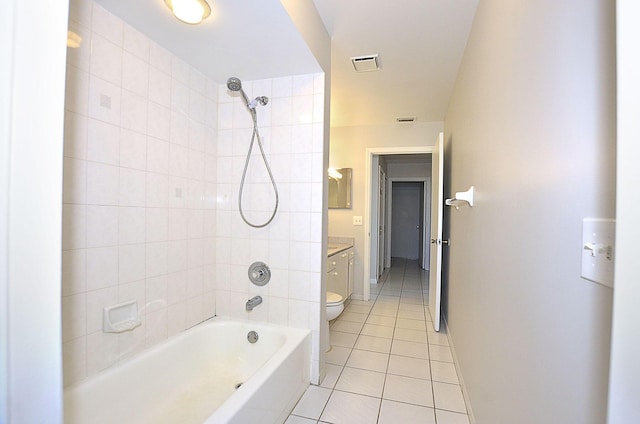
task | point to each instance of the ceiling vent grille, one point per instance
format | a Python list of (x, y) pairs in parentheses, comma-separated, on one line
[(366, 63), (406, 119)]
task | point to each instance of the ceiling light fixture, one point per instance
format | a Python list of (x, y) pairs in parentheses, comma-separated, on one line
[(189, 11)]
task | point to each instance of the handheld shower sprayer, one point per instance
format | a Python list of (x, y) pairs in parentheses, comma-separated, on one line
[(234, 84)]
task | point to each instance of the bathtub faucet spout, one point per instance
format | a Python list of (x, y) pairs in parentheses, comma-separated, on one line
[(253, 302)]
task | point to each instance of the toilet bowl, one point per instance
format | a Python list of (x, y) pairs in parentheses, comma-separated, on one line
[(335, 306)]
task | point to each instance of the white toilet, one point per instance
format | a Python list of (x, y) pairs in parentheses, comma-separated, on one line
[(335, 306)]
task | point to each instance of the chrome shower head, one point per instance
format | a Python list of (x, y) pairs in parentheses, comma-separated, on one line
[(234, 84)]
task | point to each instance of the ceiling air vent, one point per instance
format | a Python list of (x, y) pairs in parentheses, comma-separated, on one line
[(406, 119), (366, 63)]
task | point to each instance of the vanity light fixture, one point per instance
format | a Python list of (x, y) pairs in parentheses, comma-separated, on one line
[(334, 173), (73, 40), (189, 11)]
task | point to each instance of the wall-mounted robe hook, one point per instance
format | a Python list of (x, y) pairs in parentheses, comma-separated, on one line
[(461, 196)]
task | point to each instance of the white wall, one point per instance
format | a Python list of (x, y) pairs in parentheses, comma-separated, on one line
[(410, 170), (624, 387), (32, 40), (532, 126), (347, 150)]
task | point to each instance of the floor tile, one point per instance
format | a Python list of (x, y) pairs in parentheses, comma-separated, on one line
[(440, 353), (299, 420), (444, 372), (411, 308), (350, 408), (409, 367), (331, 376), (411, 298), (347, 327), (338, 338), (386, 311), (411, 324), (368, 303), (382, 320), (412, 349), (386, 300), (447, 417), (418, 336), (337, 355), (367, 360), (449, 397), (392, 412), (353, 317), (408, 390), (362, 382), (359, 309), (411, 315), (378, 331), (437, 338), (312, 403), (375, 344)]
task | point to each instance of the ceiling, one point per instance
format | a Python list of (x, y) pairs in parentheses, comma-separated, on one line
[(420, 43), (249, 39)]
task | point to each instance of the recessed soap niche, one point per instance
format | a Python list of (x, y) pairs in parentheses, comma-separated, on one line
[(121, 317)]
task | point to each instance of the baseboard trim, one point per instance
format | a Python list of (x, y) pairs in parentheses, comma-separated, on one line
[(465, 393)]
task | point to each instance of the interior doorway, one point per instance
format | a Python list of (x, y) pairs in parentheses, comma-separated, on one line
[(411, 199), (398, 164), (406, 223)]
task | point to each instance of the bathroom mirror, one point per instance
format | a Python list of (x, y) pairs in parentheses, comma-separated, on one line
[(339, 188)]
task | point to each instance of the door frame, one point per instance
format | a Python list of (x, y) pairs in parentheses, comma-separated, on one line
[(426, 216), (370, 203), (383, 208)]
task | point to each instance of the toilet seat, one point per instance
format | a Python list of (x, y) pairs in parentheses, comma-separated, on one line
[(334, 298)]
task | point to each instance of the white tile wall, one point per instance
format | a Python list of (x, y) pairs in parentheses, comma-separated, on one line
[(134, 221), (291, 245), (154, 153)]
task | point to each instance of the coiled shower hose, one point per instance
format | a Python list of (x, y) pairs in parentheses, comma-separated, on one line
[(256, 135)]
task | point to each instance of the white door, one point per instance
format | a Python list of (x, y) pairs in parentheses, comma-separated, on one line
[(437, 204)]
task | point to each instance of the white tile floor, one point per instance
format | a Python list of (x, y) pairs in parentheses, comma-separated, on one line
[(387, 365)]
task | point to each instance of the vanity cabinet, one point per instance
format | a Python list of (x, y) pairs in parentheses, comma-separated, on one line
[(340, 273)]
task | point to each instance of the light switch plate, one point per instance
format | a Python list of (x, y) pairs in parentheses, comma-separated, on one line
[(598, 241), (357, 220)]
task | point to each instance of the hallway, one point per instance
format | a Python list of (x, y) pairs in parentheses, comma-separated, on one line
[(387, 365)]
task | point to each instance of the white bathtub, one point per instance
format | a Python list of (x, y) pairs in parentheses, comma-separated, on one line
[(191, 378)]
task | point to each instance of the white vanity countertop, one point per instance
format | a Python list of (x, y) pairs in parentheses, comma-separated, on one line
[(334, 248)]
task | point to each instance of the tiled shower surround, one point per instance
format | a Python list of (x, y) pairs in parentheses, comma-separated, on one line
[(154, 153)]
